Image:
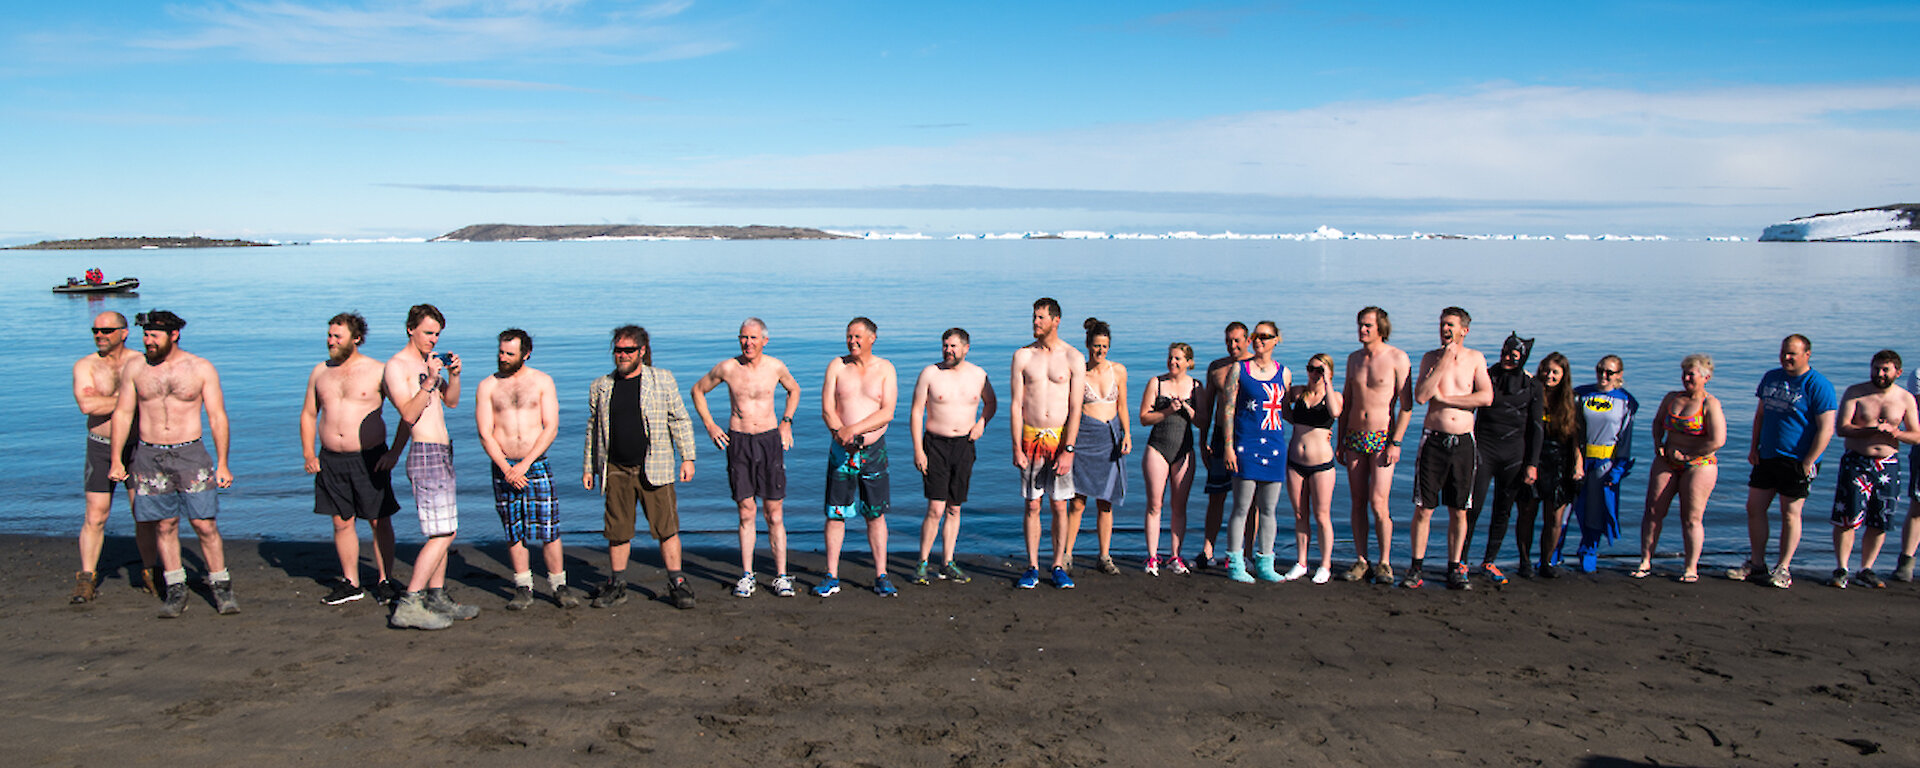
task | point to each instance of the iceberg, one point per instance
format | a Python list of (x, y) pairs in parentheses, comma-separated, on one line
[(1890, 223)]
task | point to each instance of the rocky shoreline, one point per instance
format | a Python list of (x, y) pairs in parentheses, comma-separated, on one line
[(129, 243)]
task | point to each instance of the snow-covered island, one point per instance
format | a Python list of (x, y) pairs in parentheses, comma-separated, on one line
[(1888, 223)]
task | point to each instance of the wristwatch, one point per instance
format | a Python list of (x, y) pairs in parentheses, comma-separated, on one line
[(1068, 449)]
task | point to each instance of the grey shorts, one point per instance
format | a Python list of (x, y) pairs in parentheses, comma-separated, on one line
[(100, 464), (173, 481), (430, 471)]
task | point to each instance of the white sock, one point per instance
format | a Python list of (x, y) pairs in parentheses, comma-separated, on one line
[(557, 579), (523, 579), (173, 577), (218, 576)]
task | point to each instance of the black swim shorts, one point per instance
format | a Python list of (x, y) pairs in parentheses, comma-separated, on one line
[(756, 465)]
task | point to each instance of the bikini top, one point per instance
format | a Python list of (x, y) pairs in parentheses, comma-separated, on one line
[(1318, 416), (1695, 426), (1091, 395)]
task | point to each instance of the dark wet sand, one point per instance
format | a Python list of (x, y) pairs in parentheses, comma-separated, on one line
[(1125, 670)]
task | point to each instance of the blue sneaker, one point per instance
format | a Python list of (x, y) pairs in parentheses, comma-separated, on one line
[(1030, 579), (1061, 579), (828, 588), (883, 586)]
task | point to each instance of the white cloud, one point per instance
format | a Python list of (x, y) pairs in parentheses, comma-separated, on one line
[(423, 31)]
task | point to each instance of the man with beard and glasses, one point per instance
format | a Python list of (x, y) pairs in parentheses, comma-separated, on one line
[(1508, 434), (629, 412), (353, 472), (171, 471), (96, 388), (1876, 416), (518, 415), (422, 385)]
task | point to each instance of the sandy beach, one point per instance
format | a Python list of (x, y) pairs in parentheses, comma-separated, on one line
[(1594, 670)]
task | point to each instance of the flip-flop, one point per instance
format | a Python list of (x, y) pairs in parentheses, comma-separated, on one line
[(1687, 578), (1640, 573)]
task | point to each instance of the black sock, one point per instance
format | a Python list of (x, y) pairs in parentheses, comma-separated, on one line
[(675, 577), (1418, 563)]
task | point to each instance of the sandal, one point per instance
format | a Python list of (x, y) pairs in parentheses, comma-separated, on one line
[(1687, 578), (1640, 573)]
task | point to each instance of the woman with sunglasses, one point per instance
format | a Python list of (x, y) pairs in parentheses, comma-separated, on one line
[(1256, 437), (1687, 430), (1311, 408), (1607, 450), (1167, 406), (1559, 474)]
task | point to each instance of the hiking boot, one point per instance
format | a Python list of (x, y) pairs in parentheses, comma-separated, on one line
[(922, 575), (1493, 574), (828, 587), (522, 599), (1457, 577), (1061, 580), (952, 572), (1029, 580), (744, 587), (438, 602), (1839, 579), (388, 591), (1780, 577), (1868, 579), (410, 612), (343, 592), (223, 602), (1359, 571), (84, 588), (175, 602), (1108, 567), (679, 590), (610, 595), (783, 586), (564, 595), (883, 586), (1904, 571), (152, 581)]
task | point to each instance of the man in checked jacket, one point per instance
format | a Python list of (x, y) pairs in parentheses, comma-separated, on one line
[(636, 420)]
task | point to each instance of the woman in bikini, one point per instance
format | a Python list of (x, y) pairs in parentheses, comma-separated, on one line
[(1687, 431), (1311, 408), (1101, 447), (1256, 440), (1560, 468), (1167, 406)]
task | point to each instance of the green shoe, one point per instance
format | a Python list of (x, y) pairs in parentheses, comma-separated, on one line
[(921, 574), (952, 572)]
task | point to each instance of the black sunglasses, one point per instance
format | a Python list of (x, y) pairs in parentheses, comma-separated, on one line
[(105, 331), (626, 350)]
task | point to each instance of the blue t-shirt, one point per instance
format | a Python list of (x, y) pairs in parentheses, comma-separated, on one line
[(1788, 404)]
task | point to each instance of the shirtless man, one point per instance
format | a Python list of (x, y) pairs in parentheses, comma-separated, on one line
[(96, 388), (1453, 382), (1219, 482), (756, 453), (172, 475), (518, 415), (1047, 379), (946, 399), (422, 386), (1378, 405), (857, 400), (1876, 416), (353, 472)]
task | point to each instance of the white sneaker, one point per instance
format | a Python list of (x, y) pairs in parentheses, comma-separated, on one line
[(1322, 575), (783, 585), (744, 587), (1153, 566), (1295, 572)]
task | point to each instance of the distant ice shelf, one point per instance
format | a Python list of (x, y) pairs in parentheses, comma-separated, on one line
[(1889, 223)]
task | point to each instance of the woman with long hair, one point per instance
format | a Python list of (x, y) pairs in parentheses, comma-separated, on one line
[(1167, 407), (1559, 471)]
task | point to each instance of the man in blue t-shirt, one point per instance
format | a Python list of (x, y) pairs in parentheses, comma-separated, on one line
[(1791, 427)]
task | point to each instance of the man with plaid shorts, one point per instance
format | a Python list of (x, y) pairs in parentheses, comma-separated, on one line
[(423, 385), (1876, 416), (518, 416)]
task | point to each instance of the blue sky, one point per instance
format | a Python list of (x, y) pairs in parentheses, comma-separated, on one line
[(299, 119)]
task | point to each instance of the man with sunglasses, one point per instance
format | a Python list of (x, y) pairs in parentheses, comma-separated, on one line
[(96, 388), (628, 411)]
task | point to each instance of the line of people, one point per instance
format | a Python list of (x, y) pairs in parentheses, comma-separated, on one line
[(1556, 452)]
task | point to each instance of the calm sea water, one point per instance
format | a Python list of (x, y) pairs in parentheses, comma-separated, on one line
[(260, 315)]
